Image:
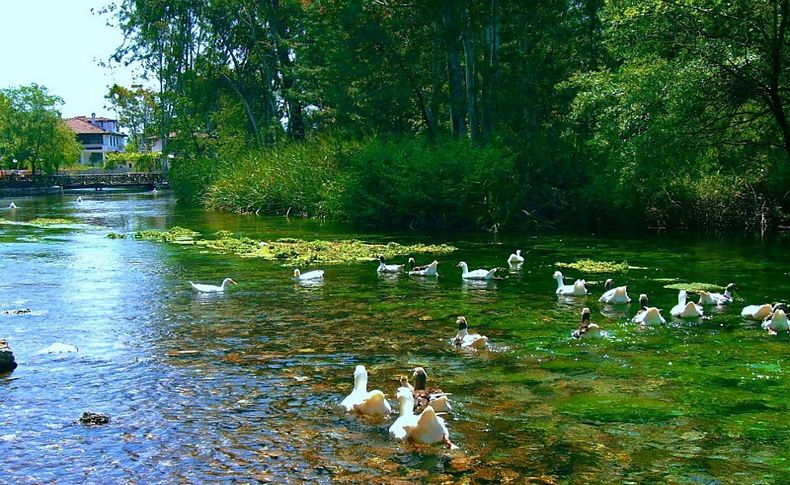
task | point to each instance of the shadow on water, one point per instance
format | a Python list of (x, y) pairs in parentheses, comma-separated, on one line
[(244, 385)]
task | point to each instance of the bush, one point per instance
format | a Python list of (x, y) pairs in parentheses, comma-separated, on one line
[(141, 162)]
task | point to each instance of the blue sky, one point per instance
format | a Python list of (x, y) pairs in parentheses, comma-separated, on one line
[(58, 44)]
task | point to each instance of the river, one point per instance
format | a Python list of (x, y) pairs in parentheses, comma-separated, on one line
[(244, 385)]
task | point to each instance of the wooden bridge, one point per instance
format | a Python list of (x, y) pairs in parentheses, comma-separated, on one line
[(86, 181)]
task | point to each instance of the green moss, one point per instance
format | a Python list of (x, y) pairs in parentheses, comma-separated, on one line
[(694, 287), (173, 234), (294, 251), (590, 266), (618, 408), (115, 235), (50, 221)]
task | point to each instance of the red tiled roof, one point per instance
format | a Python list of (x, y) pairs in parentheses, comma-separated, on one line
[(79, 125)]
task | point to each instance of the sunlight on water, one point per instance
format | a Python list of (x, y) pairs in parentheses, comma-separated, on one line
[(245, 384)]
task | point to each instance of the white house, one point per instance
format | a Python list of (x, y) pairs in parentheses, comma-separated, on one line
[(98, 137)]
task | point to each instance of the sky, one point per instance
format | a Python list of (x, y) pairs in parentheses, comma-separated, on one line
[(59, 44)]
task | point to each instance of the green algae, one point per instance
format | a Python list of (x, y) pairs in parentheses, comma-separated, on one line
[(173, 234), (116, 235), (618, 408), (694, 287), (41, 222), (592, 266)]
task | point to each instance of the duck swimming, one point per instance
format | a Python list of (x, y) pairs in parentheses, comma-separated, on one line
[(425, 428), (12, 206), (647, 315), (212, 288), (723, 299), (578, 288), (614, 295), (684, 309), (759, 312), (388, 268), (428, 396), (516, 258), (310, 275), (587, 329), (466, 340), (425, 270), (372, 403), (777, 322), (478, 274)]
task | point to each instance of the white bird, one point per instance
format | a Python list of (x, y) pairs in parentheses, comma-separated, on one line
[(426, 270), (466, 340), (425, 428), (310, 275), (578, 288), (478, 274), (516, 258), (777, 323), (723, 299), (685, 310), (759, 312), (428, 396), (59, 348), (647, 315), (79, 198), (388, 268), (12, 206), (212, 288), (372, 403), (587, 329), (614, 295)]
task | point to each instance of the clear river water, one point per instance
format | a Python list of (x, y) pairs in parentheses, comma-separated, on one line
[(244, 385)]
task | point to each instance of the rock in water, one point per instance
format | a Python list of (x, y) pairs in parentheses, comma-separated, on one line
[(7, 361), (94, 419)]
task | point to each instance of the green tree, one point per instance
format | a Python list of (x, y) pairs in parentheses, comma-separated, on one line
[(135, 107), (35, 133)]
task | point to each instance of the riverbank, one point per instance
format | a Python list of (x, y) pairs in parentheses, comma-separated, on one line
[(421, 184)]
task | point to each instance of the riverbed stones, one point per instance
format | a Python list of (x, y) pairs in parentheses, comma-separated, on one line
[(7, 361), (93, 419)]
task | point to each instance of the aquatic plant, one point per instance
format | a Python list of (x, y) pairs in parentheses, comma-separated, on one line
[(591, 266), (694, 287), (115, 235), (173, 234), (50, 221)]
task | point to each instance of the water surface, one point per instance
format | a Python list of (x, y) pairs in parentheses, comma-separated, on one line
[(244, 385)]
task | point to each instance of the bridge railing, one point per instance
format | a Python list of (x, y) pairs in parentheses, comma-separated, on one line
[(82, 180)]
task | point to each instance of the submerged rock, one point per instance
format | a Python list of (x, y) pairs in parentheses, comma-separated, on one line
[(93, 419), (7, 361), (19, 311), (59, 348)]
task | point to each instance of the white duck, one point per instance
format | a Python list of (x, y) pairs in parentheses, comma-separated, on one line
[(516, 258), (12, 206), (425, 428), (777, 323), (79, 198), (310, 275), (388, 268), (759, 312), (684, 309), (466, 340), (425, 270), (614, 295), (723, 299), (587, 329), (478, 274), (372, 403), (578, 288), (647, 315), (212, 288)]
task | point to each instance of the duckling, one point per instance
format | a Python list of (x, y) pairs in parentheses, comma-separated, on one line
[(372, 403), (614, 295), (578, 288), (647, 315), (684, 309), (425, 396), (425, 270), (388, 268), (466, 340), (777, 322), (426, 428), (587, 329), (726, 298), (759, 312), (515, 259)]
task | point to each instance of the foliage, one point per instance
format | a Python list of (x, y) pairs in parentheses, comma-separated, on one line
[(590, 266), (141, 162), (135, 107), (32, 132)]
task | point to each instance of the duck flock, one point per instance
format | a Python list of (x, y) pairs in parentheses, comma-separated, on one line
[(420, 407)]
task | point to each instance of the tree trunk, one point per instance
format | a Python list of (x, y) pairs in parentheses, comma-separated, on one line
[(294, 107), (775, 101), (491, 70), (454, 76), (471, 87)]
